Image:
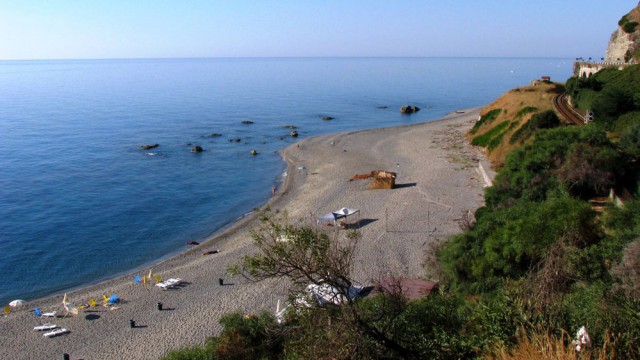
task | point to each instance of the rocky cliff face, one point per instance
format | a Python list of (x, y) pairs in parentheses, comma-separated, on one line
[(624, 45)]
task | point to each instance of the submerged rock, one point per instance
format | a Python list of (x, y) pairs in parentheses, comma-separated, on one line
[(235, 140), (289, 127), (409, 109), (294, 133), (253, 152), (197, 149), (247, 122), (148, 146), (214, 135), (327, 118)]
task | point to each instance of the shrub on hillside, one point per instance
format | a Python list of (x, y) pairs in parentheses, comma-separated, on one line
[(487, 118), (590, 170), (505, 242), (544, 120), (628, 129)]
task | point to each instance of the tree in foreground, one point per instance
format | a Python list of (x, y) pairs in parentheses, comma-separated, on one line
[(323, 309)]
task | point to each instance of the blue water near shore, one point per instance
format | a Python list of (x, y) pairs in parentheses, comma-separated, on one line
[(79, 202)]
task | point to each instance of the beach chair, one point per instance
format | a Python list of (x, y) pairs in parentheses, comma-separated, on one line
[(50, 314), (45, 327), (56, 332), (163, 285), (113, 299), (174, 282)]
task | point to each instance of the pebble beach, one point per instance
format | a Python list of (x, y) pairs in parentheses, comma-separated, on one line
[(438, 183)]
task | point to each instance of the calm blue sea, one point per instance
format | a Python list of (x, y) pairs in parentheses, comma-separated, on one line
[(79, 202)]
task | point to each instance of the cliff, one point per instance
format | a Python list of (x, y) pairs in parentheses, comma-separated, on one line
[(624, 45)]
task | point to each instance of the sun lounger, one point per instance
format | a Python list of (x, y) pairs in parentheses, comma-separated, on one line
[(168, 284), (56, 332), (50, 314), (174, 281), (45, 327), (164, 286)]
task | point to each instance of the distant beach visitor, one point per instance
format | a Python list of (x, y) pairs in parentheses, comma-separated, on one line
[(273, 190)]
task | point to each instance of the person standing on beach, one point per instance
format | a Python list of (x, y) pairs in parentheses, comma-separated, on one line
[(273, 190)]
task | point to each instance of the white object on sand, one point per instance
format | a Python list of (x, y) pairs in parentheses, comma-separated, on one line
[(16, 303), (56, 332), (50, 314), (45, 327)]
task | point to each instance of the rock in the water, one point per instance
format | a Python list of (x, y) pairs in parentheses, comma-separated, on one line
[(197, 149), (382, 107), (235, 140), (148, 146), (214, 135), (409, 109), (327, 118), (294, 133), (247, 122), (289, 127), (253, 152)]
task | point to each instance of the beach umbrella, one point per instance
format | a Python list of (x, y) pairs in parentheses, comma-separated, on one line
[(16, 303)]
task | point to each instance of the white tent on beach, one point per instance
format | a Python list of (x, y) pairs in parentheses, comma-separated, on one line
[(333, 217)]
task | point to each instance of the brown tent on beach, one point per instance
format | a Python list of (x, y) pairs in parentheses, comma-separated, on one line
[(379, 179)]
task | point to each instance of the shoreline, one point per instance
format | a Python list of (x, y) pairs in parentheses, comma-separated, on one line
[(321, 188)]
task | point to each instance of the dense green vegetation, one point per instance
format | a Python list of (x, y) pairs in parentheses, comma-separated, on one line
[(544, 120), (609, 93), (538, 237), (539, 258)]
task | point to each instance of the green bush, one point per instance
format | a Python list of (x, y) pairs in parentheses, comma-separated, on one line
[(544, 120), (628, 128), (248, 337), (505, 242), (630, 27)]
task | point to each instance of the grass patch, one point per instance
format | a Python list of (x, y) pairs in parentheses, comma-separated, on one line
[(492, 137), (487, 118), (526, 110)]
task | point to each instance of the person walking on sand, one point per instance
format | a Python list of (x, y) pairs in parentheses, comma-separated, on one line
[(273, 190)]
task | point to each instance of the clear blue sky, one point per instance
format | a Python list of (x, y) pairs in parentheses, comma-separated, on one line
[(68, 29)]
